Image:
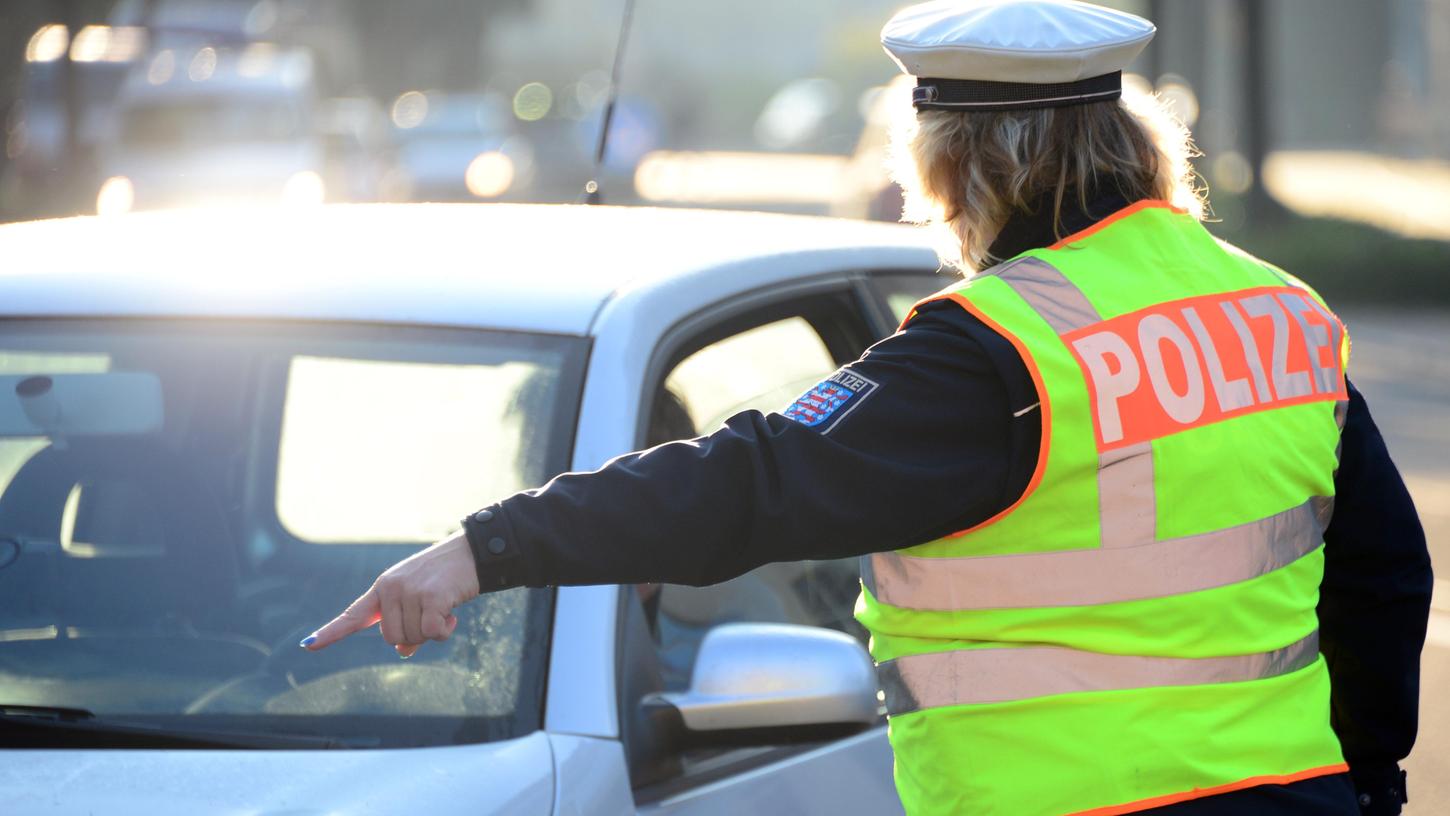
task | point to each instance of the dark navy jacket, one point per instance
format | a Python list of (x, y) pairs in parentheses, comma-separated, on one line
[(940, 444)]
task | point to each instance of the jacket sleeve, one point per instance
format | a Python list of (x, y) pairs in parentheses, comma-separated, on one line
[(927, 445), (1373, 610)]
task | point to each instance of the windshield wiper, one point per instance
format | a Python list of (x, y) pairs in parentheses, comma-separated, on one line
[(27, 726)]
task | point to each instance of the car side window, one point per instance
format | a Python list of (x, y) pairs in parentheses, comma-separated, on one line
[(902, 290), (761, 366)]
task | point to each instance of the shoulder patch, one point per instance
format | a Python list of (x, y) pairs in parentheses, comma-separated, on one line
[(824, 406)]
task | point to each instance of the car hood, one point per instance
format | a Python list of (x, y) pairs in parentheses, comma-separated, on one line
[(513, 777)]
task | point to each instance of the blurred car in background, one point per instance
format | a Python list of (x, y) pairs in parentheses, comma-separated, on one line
[(203, 125), (64, 77), (361, 159), (196, 470), (205, 20), (460, 146)]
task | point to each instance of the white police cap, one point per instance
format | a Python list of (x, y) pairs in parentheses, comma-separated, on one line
[(983, 55)]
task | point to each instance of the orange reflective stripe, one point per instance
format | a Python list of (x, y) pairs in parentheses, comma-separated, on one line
[(1199, 793), (1045, 412), (1148, 204), (1191, 362)]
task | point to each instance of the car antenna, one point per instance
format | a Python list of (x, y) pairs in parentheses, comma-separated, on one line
[(591, 187)]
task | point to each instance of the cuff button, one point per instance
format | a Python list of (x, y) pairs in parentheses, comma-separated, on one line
[(483, 516), (497, 546)]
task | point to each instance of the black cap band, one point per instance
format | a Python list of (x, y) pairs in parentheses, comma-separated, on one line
[(981, 95)]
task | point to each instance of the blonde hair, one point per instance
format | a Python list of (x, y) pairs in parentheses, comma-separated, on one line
[(969, 172)]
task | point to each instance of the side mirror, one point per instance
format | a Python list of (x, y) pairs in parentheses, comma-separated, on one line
[(776, 682)]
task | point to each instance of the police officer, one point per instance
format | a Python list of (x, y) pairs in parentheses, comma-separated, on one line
[(1132, 540)]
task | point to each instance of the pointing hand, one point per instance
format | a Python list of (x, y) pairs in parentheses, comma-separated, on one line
[(414, 600)]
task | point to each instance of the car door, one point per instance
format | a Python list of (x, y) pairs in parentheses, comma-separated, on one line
[(738, 356)]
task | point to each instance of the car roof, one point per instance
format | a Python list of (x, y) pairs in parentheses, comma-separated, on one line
[(547, 268)]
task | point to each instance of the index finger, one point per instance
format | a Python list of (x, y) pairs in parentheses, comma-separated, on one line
[(359, 615)]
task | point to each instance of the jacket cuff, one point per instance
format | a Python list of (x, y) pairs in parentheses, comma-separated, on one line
[(1380, 787), (497, 555)]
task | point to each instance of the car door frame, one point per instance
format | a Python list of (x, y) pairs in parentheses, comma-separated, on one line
[(739, 779), (586, 619)]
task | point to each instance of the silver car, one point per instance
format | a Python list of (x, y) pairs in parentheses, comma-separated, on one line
[(217, 426)]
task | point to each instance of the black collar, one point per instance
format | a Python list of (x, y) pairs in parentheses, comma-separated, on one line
[(1034, 229)]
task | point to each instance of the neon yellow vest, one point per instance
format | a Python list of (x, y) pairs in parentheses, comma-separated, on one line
[(1139, 628)]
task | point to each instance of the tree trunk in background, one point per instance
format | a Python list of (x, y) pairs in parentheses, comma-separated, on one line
[(1157, 13), (1257, 131), (68, 196), (425, 44)]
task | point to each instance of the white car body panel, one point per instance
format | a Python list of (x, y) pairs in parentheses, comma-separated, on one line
[(513, 777), (840, 777), (590, 777), (581, 689), (477, 266)]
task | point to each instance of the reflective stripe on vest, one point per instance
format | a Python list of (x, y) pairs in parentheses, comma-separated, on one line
[(999, 675), (1106, 575), (1131, 563)]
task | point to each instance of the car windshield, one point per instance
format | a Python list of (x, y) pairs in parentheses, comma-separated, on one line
[(181, 502)]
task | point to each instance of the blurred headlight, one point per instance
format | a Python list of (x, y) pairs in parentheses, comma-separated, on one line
[(304, 188), (489, 175), (116, 197)]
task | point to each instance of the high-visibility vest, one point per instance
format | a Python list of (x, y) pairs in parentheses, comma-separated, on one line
[(1139, 628)]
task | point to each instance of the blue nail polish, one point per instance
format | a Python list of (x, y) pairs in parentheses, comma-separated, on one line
[(308, 641)]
